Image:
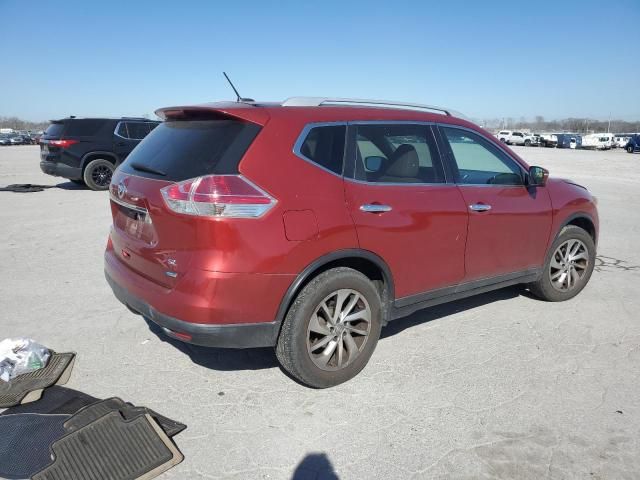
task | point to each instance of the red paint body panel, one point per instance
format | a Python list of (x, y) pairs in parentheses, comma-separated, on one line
[(422, 238), (510, 237)]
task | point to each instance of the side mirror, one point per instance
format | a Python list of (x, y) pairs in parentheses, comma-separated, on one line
[(373, 163), (538, 176)]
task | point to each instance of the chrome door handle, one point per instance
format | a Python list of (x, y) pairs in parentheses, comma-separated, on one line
[(375, 208), (480, 207)]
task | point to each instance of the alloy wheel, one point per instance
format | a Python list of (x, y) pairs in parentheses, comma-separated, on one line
[(339, 329), (568, 265), (101, 175)]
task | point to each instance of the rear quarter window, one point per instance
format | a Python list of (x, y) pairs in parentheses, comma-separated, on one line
[(324, 145)]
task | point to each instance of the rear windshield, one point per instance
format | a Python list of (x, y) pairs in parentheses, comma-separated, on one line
[(179, 150), (54, 130), (83, 128)]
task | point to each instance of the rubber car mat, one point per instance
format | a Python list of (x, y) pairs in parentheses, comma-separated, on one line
[(112, 448), (25, 188), (94, 411), (25, 442), (28, 387), (55, 400)]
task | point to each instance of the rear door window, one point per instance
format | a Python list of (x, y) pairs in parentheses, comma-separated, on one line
[(397, 153), (180, 150), (324, 145)]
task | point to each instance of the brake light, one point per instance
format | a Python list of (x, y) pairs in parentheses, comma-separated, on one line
[(63, 143), (218, 196)]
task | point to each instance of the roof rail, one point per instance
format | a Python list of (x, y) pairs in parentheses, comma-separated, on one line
[(319, 101)]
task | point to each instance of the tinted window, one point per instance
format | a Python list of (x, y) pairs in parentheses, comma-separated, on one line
[(480, 162), (325, 146), (137, 130), (188, 149), (83, 128), (122, 130), (397, 154), (54, 130)]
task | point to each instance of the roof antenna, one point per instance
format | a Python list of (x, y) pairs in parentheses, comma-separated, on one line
[(238, 97)]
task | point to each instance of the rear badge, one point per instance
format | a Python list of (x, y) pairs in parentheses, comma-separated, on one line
[(122, 189)]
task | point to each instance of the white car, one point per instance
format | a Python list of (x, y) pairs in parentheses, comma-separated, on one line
[(514, 138), (620, 141)]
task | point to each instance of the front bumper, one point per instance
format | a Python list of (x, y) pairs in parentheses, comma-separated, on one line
[(243, 335), (61, 170)]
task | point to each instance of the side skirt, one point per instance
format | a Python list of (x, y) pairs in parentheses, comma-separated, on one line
[(407, 305)]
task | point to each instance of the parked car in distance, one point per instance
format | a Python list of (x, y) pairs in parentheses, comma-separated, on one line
[(310, 224), (515, 138), (16, 140), (597, 141), (549, 140), (88, 150), (5, 139), (633, 144)]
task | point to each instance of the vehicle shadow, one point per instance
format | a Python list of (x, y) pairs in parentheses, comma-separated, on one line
[(315, 466), (71, 186), (223, 359), (446, 309)]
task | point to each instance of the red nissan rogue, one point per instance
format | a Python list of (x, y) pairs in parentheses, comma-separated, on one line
[(310, 224)]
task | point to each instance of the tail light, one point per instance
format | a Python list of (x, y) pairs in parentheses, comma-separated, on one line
[(63, 143), (218, 196)]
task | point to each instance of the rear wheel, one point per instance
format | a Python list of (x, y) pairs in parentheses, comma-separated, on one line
[(331, 329), (629, 149), (568, 267), (527, 143), (97, 174)]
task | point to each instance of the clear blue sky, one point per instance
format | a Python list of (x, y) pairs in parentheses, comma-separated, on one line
[(486, 59)]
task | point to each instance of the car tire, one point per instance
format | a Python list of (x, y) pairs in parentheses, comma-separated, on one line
[(527, 143), (502, 140), (568, 266), (629, 149), (97, 174), (315, 339)]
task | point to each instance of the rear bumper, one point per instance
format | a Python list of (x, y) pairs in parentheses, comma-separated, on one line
[(244, 335), (212, 308), (61, 170)]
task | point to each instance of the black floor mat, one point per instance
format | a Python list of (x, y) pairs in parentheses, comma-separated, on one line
[(29, 386), (25, 442), (112, 448), (92, 412), (25, 188), (55, 399)]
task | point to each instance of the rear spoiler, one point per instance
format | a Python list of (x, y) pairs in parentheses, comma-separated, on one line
[(214, 111)]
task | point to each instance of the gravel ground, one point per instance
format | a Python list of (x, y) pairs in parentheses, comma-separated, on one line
[(496, 386)]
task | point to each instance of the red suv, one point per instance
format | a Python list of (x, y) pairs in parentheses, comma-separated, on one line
[(309, 224)]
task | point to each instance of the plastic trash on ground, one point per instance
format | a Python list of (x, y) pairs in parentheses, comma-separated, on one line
[(21, 355)]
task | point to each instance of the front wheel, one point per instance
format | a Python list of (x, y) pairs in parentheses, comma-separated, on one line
[(629, 149), (527, 143), (97, 174), (331, 329), (568, 266)]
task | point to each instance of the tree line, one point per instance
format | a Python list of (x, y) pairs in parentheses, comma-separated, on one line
[(19, 124), (570, 125)]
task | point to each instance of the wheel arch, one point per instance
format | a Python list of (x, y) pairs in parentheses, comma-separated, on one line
[(364, 261), (88, 157), (582, 220)]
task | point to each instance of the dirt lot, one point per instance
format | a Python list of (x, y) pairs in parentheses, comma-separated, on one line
[(499, 386)]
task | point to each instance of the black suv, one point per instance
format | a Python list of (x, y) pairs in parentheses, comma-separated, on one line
[(88, 150)]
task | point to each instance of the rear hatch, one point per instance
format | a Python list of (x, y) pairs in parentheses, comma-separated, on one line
[(70, 134), (148, 236)]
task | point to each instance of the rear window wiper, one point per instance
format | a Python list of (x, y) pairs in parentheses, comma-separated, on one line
[(143, 168)]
